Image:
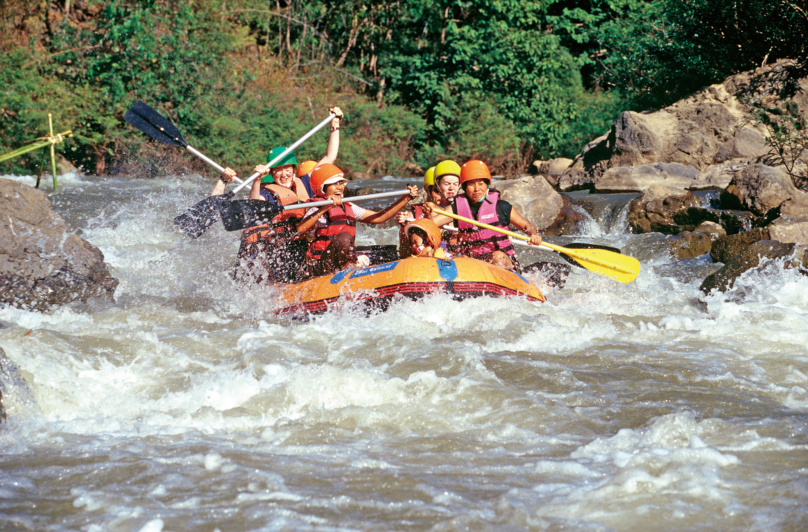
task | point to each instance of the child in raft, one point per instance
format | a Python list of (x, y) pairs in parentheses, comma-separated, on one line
[(424, 239), (441, 183), (276, 251), (334, 226), (480, 203)]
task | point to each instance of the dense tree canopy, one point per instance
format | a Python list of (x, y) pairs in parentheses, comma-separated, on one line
[(424, 79)]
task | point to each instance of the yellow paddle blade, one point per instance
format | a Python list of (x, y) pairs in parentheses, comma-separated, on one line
[(603, 262)]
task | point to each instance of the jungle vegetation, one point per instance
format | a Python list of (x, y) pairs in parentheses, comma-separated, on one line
[(419, 80)]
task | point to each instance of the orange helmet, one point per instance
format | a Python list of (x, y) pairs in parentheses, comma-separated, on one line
[(474, 169), (325, 174), (429, 227), (305, 167)]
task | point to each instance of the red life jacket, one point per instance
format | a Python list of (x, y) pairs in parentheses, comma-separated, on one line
[(474, 240), (339, 220), (272, 233)]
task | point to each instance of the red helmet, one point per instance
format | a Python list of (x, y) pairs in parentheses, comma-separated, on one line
[(474, 169), (429, 227), (325, 174)]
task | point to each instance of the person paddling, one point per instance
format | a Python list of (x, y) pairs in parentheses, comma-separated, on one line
[(276, 251), (483, 204), (334, 226)]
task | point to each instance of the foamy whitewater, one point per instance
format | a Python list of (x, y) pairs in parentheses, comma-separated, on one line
[(187, 406)]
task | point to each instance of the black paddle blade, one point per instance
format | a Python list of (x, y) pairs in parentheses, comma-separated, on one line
[(584, 245), (241, 214), (554, 273), (154, 125), (198, 218)]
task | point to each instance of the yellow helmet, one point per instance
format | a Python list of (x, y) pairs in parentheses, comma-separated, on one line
[(446, 168), (429, 178)]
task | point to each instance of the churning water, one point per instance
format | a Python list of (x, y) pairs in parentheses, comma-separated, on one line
[(187, 405)]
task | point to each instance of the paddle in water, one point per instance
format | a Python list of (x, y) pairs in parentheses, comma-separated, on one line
[(598, 260)]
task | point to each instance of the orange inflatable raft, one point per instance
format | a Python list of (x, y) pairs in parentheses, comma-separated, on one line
[(413, 277)]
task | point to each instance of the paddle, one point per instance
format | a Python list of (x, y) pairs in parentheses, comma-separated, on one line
[(554, 273), (601, 261), (198, 218), (201, 216), (241, 214)]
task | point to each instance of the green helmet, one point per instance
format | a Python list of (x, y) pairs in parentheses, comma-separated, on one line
[(289, 159)]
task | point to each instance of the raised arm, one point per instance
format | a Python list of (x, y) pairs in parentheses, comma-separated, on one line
[(333, 139), (255, 190), (224, 179), (373, 217)]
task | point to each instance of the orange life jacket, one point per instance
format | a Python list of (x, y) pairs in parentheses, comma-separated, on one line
[(273, 232), (340, 220)]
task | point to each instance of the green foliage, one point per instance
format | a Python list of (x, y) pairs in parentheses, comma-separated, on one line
[(496, 79), (787, 137)]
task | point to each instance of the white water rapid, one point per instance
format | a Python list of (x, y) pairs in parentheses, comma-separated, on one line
[(186, 406)]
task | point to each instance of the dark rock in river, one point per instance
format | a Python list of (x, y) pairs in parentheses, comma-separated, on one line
[(750, 258), (689, 245), (658, 208), (728, 247), (42, 261), (670, 210)]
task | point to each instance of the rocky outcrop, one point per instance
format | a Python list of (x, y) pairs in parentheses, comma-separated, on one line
[(749, 258), (671, 210), (710, 133), (555, 166), (641, 178), (534, 198), (42, 261)]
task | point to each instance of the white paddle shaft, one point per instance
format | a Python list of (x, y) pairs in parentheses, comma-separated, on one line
[(287, 151)]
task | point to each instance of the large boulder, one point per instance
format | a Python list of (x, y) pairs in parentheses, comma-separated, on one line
[(750, 258), (641, 178), (711, 127), (790, 229), (42, 261), (759, 189), (536, 200), (555, 166)]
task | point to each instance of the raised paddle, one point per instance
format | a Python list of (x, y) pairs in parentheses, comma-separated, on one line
[(198, 218), (601, 261), (241, 214)]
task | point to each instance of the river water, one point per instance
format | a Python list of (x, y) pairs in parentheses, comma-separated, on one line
[(186, 405)]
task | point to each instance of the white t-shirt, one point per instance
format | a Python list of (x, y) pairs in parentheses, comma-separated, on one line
[(358, 213)]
